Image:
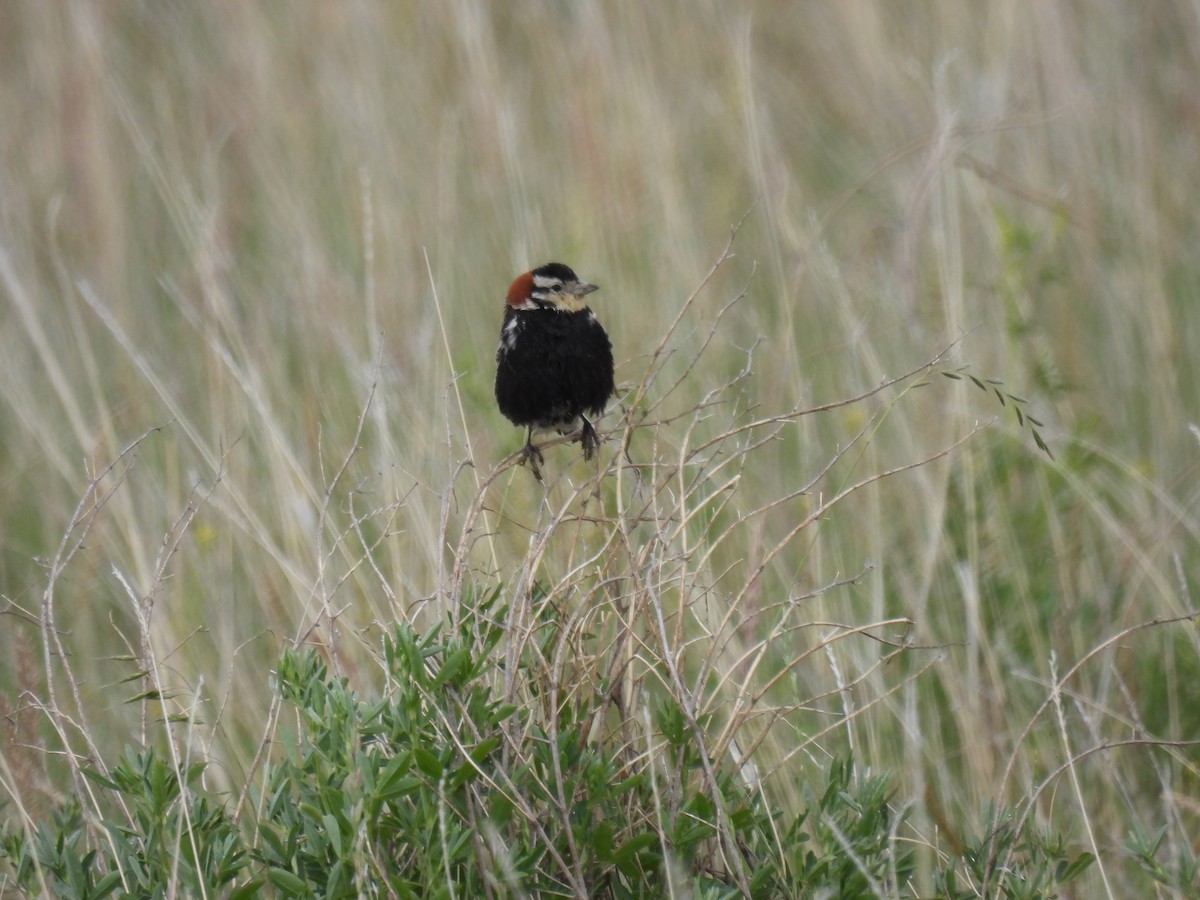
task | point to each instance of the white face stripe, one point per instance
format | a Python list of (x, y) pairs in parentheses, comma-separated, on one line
[(547, 281)]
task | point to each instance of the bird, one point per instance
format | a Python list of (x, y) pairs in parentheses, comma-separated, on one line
[(554, 361)]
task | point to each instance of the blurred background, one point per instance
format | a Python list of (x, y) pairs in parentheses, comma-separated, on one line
[(235, 222)]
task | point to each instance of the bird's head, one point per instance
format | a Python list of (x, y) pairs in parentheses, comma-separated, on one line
[(551, 287)]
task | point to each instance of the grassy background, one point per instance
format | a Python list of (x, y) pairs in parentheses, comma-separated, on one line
[(215, 218)]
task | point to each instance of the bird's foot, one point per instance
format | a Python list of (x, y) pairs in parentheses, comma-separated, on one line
[(589, 439), (533, 456)]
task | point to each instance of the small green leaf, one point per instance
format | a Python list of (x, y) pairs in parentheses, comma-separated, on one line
[(628, 850), (484, 748), (106, 885), (455, 663), (102, 780), (1076, 867), (333, 833), (247, 890), (629, 784), (503, 711), (389, 780), (602, 840), (428, 763), (287, 882)]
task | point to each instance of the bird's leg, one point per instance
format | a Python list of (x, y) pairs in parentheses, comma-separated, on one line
[(588, 438), (532, 454)]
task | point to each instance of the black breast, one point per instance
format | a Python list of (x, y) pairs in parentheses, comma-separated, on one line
[(552, 367)]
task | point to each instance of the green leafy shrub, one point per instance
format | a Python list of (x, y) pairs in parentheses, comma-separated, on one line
[(439, 788)]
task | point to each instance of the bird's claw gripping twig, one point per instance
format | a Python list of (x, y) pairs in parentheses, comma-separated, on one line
[(589, 439), (533, 456)]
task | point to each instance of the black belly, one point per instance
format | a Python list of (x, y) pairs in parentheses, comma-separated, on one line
[(559, 367)]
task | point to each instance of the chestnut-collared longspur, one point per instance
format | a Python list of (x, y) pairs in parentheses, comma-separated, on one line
[(554, 363)]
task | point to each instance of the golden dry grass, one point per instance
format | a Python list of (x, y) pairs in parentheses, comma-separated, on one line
[(280, 235)]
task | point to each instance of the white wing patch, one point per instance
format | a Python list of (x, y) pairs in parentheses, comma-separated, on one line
[(509, 335)]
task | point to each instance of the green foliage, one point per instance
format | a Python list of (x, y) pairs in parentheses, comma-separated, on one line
[(1011, 864), (161, 832), (1183, 876), (426, 786), (437, 787), (845, 841)]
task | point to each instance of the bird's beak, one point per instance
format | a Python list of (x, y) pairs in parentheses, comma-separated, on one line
[(582, 287)]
